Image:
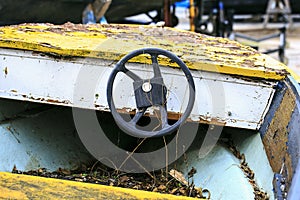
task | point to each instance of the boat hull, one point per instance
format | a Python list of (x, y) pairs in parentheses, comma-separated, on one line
[(244, 126)]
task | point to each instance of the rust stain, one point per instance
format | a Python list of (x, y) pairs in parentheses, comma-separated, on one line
[(42, 99), (213, 121), (58, 101), (176, 116), (276, 137), (55, 101), (171, 115)]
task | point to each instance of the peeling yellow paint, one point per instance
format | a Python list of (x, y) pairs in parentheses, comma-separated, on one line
[(111, 42), (15, 186)]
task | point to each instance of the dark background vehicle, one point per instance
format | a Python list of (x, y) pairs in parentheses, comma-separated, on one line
[(62, 11)]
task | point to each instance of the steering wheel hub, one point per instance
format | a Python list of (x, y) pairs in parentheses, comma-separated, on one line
[(146, 86)]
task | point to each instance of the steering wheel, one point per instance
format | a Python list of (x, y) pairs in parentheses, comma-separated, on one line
[(148, 93)]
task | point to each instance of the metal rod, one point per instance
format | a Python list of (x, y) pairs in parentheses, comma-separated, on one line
[(239, 35), (167, 13), (192, 16)]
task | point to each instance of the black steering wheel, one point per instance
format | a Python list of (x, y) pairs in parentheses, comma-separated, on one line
[(149, 92)]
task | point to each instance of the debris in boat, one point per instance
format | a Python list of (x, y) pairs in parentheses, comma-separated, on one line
[(174, 183), (178, 176), (258, 192), (192, 172)]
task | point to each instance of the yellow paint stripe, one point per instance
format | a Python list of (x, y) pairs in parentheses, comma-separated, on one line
[(112, 42), (15, 186)]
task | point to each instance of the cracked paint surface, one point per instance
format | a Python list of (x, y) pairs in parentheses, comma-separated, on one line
[(112, 42)]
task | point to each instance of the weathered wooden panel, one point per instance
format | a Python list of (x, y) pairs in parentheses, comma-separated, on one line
[(111, 42)]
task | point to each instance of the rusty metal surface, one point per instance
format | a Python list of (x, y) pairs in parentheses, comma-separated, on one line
[(276, 137), (111, 42)]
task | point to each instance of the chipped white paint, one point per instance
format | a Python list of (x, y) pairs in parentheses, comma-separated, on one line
[(79, 82)]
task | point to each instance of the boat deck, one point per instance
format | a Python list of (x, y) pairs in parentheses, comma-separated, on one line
[(111, 42)]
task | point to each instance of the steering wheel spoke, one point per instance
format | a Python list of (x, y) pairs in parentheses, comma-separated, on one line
[(121, 67), (138, 115), (164, 116), (156, 70)]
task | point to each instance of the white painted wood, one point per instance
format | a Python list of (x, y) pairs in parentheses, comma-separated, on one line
[(81, 82)]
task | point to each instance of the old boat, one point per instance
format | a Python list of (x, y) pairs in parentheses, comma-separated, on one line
[(71, 94)]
